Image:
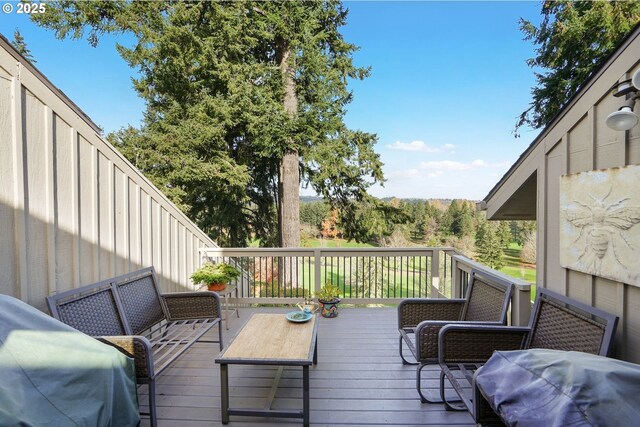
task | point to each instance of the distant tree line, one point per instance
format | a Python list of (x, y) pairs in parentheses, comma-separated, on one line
[(428, 223)]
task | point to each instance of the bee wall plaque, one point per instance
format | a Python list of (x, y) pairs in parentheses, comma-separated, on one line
[(600, 223)]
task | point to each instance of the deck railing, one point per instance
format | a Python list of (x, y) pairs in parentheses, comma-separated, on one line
[(364, 275), (520, 309)]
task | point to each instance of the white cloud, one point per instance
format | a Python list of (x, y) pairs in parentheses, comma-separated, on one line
[(484, 164), (411, 146), (452, 179), (420, 146)]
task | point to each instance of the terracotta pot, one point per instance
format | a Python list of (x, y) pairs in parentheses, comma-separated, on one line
[(217, 286)]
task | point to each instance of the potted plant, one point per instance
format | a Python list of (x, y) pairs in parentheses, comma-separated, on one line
[(328, 297), (215, 275)]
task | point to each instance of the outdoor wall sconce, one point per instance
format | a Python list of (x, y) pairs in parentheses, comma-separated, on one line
[(625, 118)]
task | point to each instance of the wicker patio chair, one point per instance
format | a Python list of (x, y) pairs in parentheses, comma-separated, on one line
[(557, 323), (420, 320)]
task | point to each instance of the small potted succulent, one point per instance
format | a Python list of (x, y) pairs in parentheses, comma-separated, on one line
[(215, 275), (328, 297)]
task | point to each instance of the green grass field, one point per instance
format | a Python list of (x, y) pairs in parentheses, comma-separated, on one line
[(513, 267)]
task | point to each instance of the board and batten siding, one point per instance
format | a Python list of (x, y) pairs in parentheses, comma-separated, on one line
[(579, 140), (73, 210)]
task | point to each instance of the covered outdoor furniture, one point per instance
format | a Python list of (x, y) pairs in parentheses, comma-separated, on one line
[(550, 388), (557, 323), (54, 375), (130, 313), (420, 320)]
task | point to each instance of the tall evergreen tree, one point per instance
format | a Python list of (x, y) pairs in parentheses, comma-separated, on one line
[(419, 219), (572, 40), (313, 213), (520, 230), (458, 219), (21, 46), (528, 253), (244, 101), (504, 233), (489, 247)]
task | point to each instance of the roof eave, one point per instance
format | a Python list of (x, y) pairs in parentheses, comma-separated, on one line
[(567, 107)]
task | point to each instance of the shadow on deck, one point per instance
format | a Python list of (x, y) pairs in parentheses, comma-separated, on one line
[(359, 380)]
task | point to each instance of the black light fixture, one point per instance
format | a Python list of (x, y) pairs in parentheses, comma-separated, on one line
[(625, 118)]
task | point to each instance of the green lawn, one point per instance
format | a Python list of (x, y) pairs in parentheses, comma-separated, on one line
[(334, 273), (513, 267)]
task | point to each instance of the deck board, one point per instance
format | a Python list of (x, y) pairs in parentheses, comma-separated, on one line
[(359, 380)]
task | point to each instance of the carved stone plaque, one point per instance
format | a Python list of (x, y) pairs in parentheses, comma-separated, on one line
[(599, 223)]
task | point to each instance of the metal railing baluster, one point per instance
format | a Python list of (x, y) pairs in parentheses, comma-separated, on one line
[(363, 274)]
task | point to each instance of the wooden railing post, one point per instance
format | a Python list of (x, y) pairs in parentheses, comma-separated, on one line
[(520, 310), (521, 306), (435, 274), (317, 266), (456, 279)]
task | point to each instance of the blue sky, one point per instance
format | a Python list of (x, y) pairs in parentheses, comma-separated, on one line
[(448, 81)]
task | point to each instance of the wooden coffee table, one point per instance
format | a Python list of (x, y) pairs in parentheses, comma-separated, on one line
[(270, 339)]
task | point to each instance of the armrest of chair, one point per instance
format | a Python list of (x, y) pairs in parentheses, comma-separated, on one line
[(137, 347), (192, 305), (415, 310), (426, 336), (476, 343)]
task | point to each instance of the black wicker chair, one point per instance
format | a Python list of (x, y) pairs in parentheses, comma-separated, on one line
[(557, 323), (420, 320), (129, 313)]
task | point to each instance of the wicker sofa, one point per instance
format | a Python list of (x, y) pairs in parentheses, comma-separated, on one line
[(130, 313), (557, 323), (420, 319)]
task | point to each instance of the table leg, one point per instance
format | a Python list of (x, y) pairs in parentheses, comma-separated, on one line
[(305, 395), (237, 305), (315, 352), (226, 311), (224, 392)]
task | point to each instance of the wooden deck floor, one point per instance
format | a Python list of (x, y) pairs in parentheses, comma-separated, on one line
[(359, 380)]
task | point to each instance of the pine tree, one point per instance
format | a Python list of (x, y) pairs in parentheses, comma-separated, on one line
[(528, 253), (489, 247), (504, 233), (572, 41), (520, 230), (241, 98), (312, 213), (458, 219), (21, 46)]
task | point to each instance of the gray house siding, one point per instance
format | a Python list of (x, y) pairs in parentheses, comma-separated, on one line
[(73, 210), (578, 140)]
